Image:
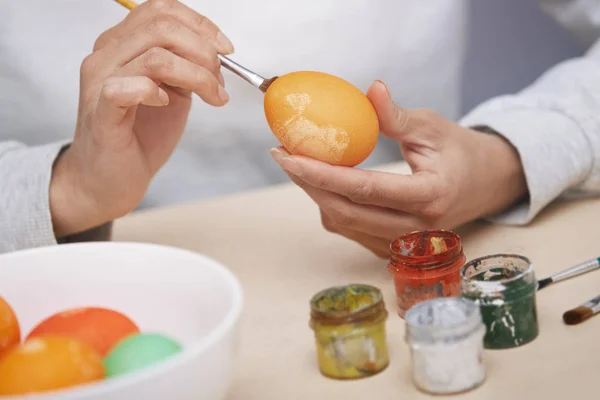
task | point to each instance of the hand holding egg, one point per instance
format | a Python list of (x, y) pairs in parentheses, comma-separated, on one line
[(458, 175)]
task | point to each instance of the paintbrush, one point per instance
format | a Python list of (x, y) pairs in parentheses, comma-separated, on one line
[(583, 312), (580, 269), (251, 77)]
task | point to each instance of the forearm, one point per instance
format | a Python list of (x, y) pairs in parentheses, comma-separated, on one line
[(25, 212), (553, 124)]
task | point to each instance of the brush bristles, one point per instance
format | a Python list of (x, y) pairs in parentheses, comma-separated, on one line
[(577, 315), (266, 83)]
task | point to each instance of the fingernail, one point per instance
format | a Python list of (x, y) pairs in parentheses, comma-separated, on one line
[(221, 79), (163, 96), (225, 43), (223, 94), (285, 162), (276, 154), (387, 89)]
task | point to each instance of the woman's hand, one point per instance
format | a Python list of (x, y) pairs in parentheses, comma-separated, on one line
[(458, 175), (134, 102)]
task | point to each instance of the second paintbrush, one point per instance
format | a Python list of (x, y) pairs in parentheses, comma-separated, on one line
[(577, 270)]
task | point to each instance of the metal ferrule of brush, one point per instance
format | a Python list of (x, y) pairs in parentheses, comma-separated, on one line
[(576, 270), (242, 72)]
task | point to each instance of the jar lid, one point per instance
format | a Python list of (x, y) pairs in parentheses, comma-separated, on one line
[(443, 319), (498, 275), (425, 250), (345, 304)]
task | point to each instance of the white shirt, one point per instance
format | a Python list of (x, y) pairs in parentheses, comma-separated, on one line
[(554, 123), (416, 47)]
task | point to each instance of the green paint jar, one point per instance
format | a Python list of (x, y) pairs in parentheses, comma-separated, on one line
[(504, 286)]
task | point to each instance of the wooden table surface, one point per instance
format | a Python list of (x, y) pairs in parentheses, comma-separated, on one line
[(273, 241)]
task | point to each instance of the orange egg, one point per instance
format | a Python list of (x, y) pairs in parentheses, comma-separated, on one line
[(101, 328), (323, 117), (10, 332), (48, 363)]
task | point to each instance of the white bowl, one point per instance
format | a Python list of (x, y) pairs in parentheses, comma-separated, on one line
[(184, 295)]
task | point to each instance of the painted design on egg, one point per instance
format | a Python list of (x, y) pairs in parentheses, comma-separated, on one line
[(301, 136)]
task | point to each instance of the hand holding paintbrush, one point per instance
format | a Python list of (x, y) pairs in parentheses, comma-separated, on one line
[(253, 78), (135, 96)]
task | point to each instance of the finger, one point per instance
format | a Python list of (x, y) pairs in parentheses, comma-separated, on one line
[(346, 216), (156, 11), (408, 193), (161, 65), (171, 35), (406, 126), (118, 96), (380, 247), (371, 220)]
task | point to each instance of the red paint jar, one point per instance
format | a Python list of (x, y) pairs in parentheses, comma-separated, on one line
[(425, 265)]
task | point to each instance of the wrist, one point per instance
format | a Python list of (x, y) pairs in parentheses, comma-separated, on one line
[(70, 207), (503, 178)]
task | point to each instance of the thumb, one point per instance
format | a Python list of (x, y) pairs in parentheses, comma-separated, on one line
[(400, 124), (120, 96)]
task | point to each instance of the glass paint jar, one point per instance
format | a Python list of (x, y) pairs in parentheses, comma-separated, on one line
[(445, 336), (425, 265), (504, 286), (349, 326)]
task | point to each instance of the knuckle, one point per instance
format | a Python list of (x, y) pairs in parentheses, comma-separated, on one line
[(342, 216), (88, 65), (204, 83), (436, 209), (360, 194), (163, 23), (319, 181), (401, 117), (365, 193), (101, 42), (201, 21), (327, 223), (156, 60), (162, 5), (109, 91)]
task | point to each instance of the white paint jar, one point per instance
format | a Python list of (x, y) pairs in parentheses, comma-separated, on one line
[(446, 340)]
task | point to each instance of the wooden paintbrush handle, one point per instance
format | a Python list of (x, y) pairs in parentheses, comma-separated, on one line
[(129, 4)]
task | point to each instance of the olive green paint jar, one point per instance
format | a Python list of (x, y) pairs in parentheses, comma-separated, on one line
[(504, 287)]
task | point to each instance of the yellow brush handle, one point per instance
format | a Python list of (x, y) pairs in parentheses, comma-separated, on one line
[(129, 4)]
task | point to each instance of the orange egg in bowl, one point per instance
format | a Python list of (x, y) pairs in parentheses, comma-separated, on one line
[(321, 116)]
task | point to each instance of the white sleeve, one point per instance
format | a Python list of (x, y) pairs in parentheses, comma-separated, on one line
[(25, 174), (25, 220), (555, 126)]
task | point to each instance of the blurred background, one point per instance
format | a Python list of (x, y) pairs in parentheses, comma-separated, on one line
[(511, 43)]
